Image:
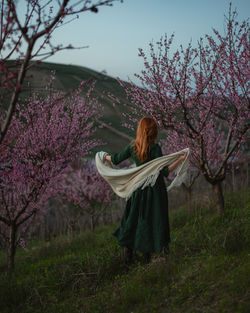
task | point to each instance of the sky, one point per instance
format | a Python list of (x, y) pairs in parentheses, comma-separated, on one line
[(115, 33)]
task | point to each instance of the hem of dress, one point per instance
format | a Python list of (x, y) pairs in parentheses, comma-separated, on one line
[(140, 250)]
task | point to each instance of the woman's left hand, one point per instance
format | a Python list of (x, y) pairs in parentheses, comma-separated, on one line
[(183, 157)]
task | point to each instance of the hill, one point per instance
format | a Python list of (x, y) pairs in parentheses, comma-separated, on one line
[(207, 270), (69, 77)]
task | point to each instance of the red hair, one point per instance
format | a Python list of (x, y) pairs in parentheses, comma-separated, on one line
[(147, 132)]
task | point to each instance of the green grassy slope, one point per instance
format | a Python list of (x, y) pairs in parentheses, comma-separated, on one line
[(206, 271)]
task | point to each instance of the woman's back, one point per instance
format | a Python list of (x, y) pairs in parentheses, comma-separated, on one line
[(130, 152), (154, 152)]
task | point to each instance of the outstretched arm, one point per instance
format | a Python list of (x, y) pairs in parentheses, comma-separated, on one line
[(117, 158), (173, 166)]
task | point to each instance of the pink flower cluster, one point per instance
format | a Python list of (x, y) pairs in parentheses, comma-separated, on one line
[(84, 186), (45, 136)]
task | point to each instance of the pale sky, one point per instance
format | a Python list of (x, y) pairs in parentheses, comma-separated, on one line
[(115, 33)]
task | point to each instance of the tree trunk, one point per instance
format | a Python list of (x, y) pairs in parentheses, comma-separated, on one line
[(219, 198), (92, 222), (233, 177), (189, 197), (247, 178), (11, 249), (16, 92), (111, 216), (104, 217)]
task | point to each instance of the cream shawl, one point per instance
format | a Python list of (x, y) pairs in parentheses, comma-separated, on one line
[(125, 181)]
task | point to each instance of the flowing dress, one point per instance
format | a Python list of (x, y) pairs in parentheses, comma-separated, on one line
[(144, 225)]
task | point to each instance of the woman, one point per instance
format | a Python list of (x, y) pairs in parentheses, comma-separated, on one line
[(145, 223)]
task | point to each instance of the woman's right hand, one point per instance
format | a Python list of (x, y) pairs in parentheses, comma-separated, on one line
[(108, 158)]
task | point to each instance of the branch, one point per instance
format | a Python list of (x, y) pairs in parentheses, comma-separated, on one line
[(193, 179), (206, 118), (4, 220), (46, 55), (183, 106), (16, 92), (229, 137), (92, 8), (22, 29), (26, 217), (232, 150), (53, 23), (35, 189)]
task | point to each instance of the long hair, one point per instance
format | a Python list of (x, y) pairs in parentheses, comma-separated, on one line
[(147, 132)]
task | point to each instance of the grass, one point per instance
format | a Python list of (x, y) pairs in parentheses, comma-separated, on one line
[(206, 271)]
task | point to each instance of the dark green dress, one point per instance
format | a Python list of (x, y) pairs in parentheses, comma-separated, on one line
[(145, 224)]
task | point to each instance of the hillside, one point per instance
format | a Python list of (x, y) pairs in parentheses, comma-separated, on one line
[(207, 270), (69, 77)]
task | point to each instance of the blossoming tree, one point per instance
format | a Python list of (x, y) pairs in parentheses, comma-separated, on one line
[(46, 134), (201, 96)]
